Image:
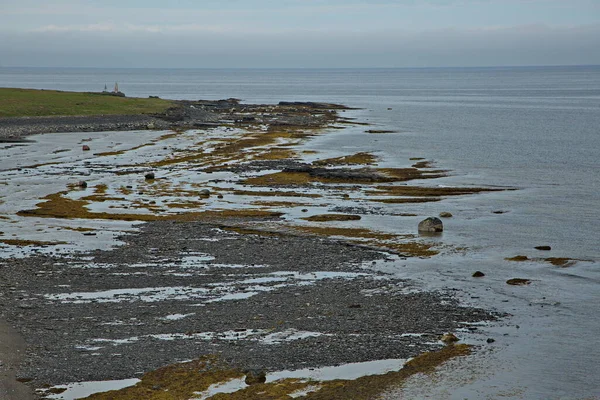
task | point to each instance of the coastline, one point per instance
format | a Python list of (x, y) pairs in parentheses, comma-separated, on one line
[(281, 297)]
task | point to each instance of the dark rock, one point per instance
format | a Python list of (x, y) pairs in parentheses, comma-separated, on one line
[(85, 147), (445, 214), (354, 306), (82, 184), (518, 281), (149, 176), (254, 377), (478, 274), (543, 248), (431, 224), (490, 340), (204, 193), (449, 338)]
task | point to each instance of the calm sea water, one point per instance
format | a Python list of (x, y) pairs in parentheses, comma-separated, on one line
[(536, 129)]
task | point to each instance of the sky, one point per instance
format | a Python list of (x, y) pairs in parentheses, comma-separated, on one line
[(298, 33)]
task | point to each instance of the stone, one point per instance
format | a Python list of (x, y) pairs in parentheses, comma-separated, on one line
[(518, 282), (543, 248), (431, 224), (254, 377), (449, 338), (490, 340), (85, 147), (204, 193), (151, 125), (82, 184), (478, 274), (220, 196), (445, 214), (149, 176)]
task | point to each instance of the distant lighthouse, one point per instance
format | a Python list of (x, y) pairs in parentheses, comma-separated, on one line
[(116, 89)]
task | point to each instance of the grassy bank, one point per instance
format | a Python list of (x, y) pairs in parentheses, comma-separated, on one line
[(35, 103)]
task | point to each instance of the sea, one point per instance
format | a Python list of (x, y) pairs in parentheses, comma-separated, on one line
[(534, 129)]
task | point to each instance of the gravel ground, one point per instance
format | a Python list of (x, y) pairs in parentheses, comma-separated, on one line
[(16, 128), (360, 319)]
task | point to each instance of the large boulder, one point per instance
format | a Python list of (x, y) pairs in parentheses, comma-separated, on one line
[(431, 224)]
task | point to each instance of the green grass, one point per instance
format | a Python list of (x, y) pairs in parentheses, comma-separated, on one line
[(33, 103)]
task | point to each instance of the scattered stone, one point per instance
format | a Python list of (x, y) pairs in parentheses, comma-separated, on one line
[(543, 248), (431, 224), (82, 184), (85, 147), (499, 212), (304, 210), (220, 196), (561, 261), (478, 274), (518, 282), (149, 176), (380, 131), (490, 340), (449, 338), (151, 125), (517, 258), (204, 193), (254, 377), (445, 214)]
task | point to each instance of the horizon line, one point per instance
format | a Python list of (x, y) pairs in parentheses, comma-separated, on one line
[(311, 68)]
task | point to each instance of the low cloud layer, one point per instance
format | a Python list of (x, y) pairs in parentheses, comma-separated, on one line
[(299, 33), (207, 47)]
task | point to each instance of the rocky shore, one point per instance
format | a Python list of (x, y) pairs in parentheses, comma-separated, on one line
[(185, 115), (304, 302), (215, 272)]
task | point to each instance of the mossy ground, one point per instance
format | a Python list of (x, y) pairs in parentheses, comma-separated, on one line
[(333, 217), (23, 243), (562, 262), (354, 159), (33, 103), (182, 381)]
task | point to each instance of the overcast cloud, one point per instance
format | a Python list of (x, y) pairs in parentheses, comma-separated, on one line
[(299, 33)]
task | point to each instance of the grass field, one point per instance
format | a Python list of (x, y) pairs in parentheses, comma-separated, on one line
[(32, 103)]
